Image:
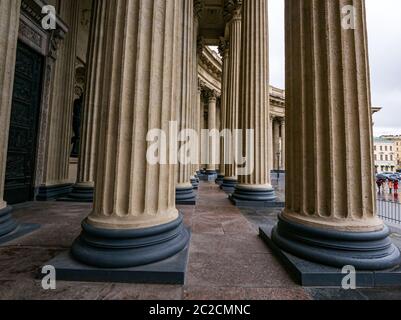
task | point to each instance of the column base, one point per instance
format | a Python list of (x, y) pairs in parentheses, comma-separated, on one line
[(49, 193), (7, 223), (312, 274), (10, 229), (211, 175), (195, 183), (185, 196), (80, 193), (219, 179), (248, 196), (112, 249), (228, 185), (169, 271), (363, 250)]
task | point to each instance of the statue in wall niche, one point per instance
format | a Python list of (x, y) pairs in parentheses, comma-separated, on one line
[(76, 126)]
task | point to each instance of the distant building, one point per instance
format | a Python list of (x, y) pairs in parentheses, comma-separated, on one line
[(385, 155), (397, 146)]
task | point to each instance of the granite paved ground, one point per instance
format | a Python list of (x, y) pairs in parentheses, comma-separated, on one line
[(227, 259)]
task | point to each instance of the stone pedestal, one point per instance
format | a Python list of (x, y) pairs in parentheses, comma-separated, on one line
[(330, 216), (255, 189)]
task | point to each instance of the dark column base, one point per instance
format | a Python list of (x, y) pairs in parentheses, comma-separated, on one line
[(185, 196), (195, 183), (211, 175), (229, 185), (363, 250), (311, 274), (169, 271), (48, 193), (112, 249), (219, 179), (7, 223), (80, 193), (259, 198), (10, 229)]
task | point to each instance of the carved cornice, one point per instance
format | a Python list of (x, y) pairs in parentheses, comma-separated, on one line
[(211, 63)]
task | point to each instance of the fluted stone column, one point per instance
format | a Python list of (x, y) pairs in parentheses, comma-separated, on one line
[(84, 188), (270, 119), (255, 189), (184, 190), (276, 144), (134, 220), (200, 121), (233, 95), (224, 52), (9, 22), (56, 180), (330, 215), (195, 105), (212, 125), (283, 154)]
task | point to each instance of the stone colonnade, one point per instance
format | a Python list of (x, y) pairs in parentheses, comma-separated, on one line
[(143, 79)]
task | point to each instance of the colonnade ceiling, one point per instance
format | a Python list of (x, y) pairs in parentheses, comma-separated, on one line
[(212, 23)]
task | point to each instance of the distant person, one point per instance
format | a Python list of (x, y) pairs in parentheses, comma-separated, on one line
[(396, 187), (390, 186), (379, 183)]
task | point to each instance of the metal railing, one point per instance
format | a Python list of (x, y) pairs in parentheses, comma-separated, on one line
[(389, 211)]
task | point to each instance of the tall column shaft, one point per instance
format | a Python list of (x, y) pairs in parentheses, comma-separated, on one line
[(283, 138), (59, 131), (184, 190), (276, 145), (212, 124), (233, 95), (199, 106), (330, 214), (270, 119), (9, 22), (254, 101), (224, 52), (94, 88), (194, 83), (83, 190), (330, 171)]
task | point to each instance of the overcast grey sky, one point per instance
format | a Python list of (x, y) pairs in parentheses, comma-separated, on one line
[(384, 29)]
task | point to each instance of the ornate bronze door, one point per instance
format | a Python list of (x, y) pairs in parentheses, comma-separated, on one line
[(19, 184)]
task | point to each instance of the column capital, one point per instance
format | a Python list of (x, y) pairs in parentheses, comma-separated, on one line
[(201, 85), (224, 47), (232, 10), (200, 44), (211, 95), (198, 8)]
